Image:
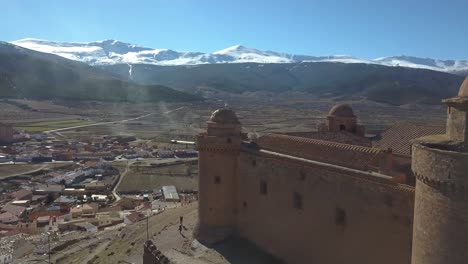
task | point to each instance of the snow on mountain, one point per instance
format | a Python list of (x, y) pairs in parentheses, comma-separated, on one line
[(424, 63), (108, 52)]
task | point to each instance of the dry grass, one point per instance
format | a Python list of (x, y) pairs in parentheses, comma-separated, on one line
[(147, 178)]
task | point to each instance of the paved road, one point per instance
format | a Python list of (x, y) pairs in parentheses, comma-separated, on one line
[(111, 122)]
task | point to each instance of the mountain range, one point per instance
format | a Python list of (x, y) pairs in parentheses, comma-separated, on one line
[(112, 52), (26, 73), (116, 71)]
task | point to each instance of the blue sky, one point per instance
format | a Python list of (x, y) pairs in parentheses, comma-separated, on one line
[(362, 28)]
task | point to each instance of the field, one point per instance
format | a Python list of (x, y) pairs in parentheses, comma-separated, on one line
[(9, 170), (258, 112), (50, 125), (142, 178)]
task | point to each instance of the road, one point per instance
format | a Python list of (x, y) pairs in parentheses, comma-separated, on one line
[(114, 191), (111, 122)]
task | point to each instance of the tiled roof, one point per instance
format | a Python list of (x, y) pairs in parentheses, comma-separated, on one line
[(8, 215), (399, 136), (351, 156), (344, 137), (14, 209), (20, 194)]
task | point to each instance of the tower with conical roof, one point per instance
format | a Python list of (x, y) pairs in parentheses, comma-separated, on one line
[(218, 164), (440, 164)]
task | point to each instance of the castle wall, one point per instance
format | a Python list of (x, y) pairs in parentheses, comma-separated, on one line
[(456, 124), (310, 212), (441, 206), (218, 167)]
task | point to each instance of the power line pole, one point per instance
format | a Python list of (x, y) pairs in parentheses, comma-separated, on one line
[(48, 241), (147, 231)]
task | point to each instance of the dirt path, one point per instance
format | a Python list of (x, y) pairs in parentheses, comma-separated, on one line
[(24, 173), (111, 122), (122, 175)]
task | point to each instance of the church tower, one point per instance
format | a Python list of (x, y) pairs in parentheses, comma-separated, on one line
[(218, 164), (440, 164)]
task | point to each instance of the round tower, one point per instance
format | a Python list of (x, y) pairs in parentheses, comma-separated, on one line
[(440, 164), (218, 150)]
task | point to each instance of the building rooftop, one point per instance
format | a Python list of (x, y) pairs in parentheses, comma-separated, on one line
[(14, 209), (399, 137), (344, 137), (351, 156), (20, 194), (170, 192)]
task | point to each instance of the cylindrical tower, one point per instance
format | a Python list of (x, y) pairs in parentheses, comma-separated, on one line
[(218, 166), (440, 227)]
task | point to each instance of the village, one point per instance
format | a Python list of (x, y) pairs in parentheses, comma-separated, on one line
[(76, 187)]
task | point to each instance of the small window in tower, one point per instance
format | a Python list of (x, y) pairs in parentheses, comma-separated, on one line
[(340, 217), (254, 163), (229, 140), (342, 127), (297, 200), (217, 180), (263, 187)]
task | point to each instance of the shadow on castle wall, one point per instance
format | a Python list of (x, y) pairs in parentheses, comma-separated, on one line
[(237, 250)]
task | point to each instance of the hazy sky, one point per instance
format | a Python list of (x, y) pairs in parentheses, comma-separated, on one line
[(362, 28)]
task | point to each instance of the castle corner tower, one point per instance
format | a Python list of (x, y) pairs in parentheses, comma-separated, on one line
[(218, 164), (440, 164)]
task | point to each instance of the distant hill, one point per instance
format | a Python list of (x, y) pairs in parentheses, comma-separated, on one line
[(393, 85), (30, 74)]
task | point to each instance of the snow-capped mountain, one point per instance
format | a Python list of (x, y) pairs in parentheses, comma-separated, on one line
[(110, 52), (424, 63)]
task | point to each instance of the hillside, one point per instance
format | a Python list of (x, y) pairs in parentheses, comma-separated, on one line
[(394, 85), (30, 74)]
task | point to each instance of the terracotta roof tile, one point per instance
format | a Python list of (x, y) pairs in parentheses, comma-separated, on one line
[(399, 136), (344, 137), (351, 156)]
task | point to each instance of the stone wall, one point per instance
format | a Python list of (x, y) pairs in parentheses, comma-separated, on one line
[(456, 124), (151, 255), (441, 205), (304, 211)]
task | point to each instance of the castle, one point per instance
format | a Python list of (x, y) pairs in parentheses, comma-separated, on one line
[(331, 197)]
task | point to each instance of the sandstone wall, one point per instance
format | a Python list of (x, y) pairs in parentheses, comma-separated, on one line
[(441, 206), (456, 124), (343, 216)]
